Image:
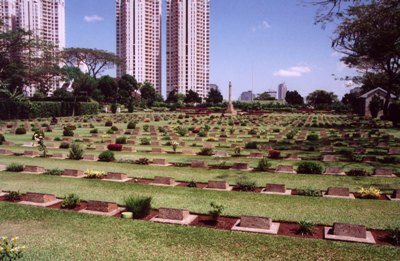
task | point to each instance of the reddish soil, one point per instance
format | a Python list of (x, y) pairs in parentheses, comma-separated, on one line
[(218, 167), (290, 229), (381, 197), (81, 206), (257, 190), (224, 223)]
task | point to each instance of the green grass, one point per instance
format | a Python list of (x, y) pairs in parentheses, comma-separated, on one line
[(321, 182), (372, 213), (58, 235)]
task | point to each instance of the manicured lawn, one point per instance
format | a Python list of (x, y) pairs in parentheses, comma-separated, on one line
[(57, 235), (372, 213), (321, 182)]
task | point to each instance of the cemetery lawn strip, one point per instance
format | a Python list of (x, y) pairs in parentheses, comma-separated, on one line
[(58, 235), (321, 182), (372, 213)]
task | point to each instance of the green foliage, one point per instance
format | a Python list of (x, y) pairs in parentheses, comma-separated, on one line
[(142, 161), (305, 228), (146, 128), (263, 164), (246, 184), (140, 206), (394, 114), (394, 233), (182, 131), (10, 249), (294, 98), (131, 125), (251, 145), (15, 167), (64, 145), (94, 131), (71, 201), (68, 132), (144, 141), (309, 167), (312, 137), (321, 99), (94, 174), (202, 133), (2, 139), (308, 192), (216, 210), (20, 131), (121, 140), (114, 107), (206, 152), (192, 97), (13, 196), (107, 156), (370, 192), (53, 172), (358, 172), (76, 152)]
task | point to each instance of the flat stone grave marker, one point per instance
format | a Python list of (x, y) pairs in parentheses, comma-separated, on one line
[(58, 155), (101, 147), (349, 232), (256, 155), (338, 192), (395, 195), (279, 189), (199, 164), (241, 166), (155, 143), (208, 146), (383, 145), (73, 173), (334, 170), (29, 144), (39, 199), (8, 143), (52, 146), (188, 152), (256, 225), (166, 181), (115, 176), (160, 162), (128, 149), (33, 169), (234, 145), (218, 185), (131, 142), (394, 151), (174, 216), (329, 158), (2, 193), (383, 172), (221, 154), (285, 169), (369, 159), (86, 140), (327, 149), (198, 139), (29, 153), (222, 139), (89, 157), (157, 150), (6, 152), (102, 208), (293, 157)]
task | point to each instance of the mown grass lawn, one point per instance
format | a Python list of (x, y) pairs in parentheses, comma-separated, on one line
[(372, 213), (58, 235), (321, 182)]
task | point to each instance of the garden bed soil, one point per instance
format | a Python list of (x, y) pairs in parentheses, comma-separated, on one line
[(199, 185), (257, 190), (381, 197), (82, 205), (141, 181), (224, 223)]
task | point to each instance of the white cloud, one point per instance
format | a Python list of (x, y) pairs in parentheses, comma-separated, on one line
[(264, 25), (93, 18), (295, 71)]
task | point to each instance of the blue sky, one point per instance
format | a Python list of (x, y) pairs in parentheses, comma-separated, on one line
[(256, 44)]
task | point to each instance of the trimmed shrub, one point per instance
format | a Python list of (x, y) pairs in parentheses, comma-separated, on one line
[(114, 147), (246, 184), (202, 133), (107, 156), (308, 167), (53, 172), (140, 206), (15, 167), (71, 201), (251, 145), (142, 161), (94, 131), (131, 125), (206, 152), (274, 154), (64, 145), (76, 152), (20, 131), (312, 137), (68, 132), (121, 140), (182, 131), (263, 164), (144, 141)]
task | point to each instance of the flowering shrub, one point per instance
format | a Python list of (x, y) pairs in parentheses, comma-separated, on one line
[(114, 147), (370, 193), (93, 174), (10, 250)]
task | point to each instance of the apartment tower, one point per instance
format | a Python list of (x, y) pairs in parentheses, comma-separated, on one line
[(188, 46), (139, 40), (282, 90)]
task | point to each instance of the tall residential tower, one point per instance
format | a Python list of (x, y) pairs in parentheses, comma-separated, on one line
[(188, 46), (282, 90), (139, 40)]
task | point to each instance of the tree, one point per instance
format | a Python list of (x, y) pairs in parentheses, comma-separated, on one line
[(62, 93), (321, 99), (96, 61), (294, 98), (192, 97), (126, 85), (265, 96), (330, 10), (375, 106), (369, 38), (148, 94), (214, 96), (109, 88), (84, 85), (175, 97), (352, 102)]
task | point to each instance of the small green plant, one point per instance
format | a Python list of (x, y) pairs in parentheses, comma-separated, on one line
[(131, 125), (64, 145), (53, 172), (140, 206), (142, 161), (10, 249), (192, 184), (237, 151), (263, 164), (206, 152), (312, 137), (76, 152), (202, 133), (174, 145), (2, 139), (68, 132), (182, 131), (71, 201), (39, 137), (20, 131), (15, 167), (146, 128), (394, 234), (13, 196), (251, 145), (216, 211), (94, 131), (311, 192), (358, 172), (120, 140), (107, 156), (309, 167), (144, 141), (246, 184), (305, 228)]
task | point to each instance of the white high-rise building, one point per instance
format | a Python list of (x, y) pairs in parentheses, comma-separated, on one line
[(44, 18), (139, 40), (188, 46), (282, 90)]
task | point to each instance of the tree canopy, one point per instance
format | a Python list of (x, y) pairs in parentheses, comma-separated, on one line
[(265, 96), (192, 97), (214, 96), (294, 98), (321, 99)]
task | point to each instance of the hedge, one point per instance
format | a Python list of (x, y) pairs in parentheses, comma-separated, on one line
[(34, 109)]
